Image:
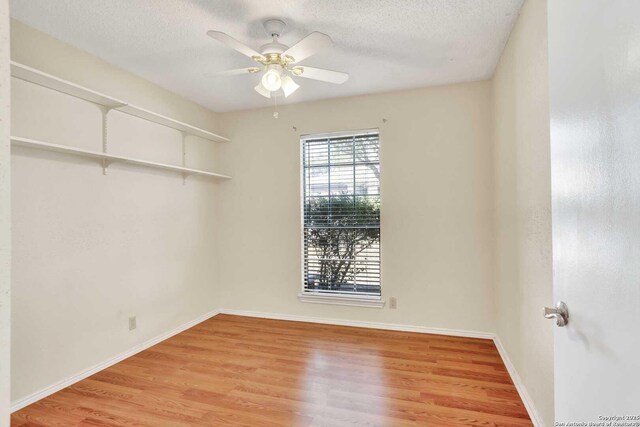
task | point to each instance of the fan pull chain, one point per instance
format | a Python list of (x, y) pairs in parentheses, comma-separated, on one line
[(275, 107)]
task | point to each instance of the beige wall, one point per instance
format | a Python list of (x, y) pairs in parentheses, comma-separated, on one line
[(523, 272), (5, 216), (91, 250), (437, 204)]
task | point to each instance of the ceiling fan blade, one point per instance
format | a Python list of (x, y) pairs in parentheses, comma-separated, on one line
[(289, 86), (330, 76), (262, 90), (233, 43), (236, 72), (308, 46)]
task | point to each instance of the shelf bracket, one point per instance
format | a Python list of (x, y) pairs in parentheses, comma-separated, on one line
[(184, 156), (105, 111)]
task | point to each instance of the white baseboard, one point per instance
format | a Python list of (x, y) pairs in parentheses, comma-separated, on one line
[(361, 324), (19, 404), (522, 391)]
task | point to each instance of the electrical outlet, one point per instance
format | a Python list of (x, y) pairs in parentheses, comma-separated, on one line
[(132, 323), (393, 302)]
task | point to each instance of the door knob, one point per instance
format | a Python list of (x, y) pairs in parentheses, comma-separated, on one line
[(560, 313)]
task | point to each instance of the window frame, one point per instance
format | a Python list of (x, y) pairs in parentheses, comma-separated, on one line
[(363, 300)]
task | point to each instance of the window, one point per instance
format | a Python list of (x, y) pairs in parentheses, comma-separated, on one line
[(341, 214)]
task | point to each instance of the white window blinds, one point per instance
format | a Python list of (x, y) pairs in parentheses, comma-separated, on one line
[(341, 204)]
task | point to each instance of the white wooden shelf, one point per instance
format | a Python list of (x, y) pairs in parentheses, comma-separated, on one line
[(32, 75), (169, 122), (40, 78), (110, 158)]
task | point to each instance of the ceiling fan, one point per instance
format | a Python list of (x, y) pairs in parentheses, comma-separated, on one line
[(279, 62)]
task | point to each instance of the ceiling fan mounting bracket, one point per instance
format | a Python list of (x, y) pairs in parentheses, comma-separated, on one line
[(274, 27)]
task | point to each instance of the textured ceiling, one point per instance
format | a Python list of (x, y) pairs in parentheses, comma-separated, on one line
[(383, 44)]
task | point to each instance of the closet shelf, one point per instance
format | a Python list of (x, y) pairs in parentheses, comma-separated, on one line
[(40, 78), (32, 75), (169, 122), (110, 158)]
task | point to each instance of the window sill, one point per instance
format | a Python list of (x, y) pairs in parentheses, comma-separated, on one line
[(355, 301)]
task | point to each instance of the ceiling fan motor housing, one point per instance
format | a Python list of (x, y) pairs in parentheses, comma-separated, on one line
[(273, 47)]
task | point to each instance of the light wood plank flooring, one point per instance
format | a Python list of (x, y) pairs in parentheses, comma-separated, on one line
[(242, 371)]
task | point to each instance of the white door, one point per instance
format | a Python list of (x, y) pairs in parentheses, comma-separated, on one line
[(594, 60)]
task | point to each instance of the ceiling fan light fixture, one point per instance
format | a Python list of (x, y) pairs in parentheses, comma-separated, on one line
[(262, 90), (289, 86), (279, 62), (272, 80)]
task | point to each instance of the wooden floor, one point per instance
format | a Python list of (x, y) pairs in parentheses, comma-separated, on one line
[(242, 371)]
